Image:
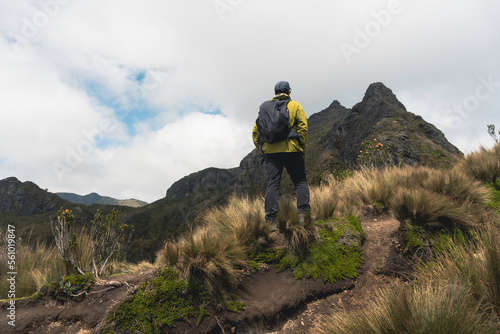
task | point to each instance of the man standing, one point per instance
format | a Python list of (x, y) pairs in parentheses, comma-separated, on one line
[(280, 133)]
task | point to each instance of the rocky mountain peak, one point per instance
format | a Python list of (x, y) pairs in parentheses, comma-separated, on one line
[(335, 105), (378, 97)]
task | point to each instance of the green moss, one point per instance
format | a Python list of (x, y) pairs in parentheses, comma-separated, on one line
[(495, 195), (159, 303), (330, 258), (254, 265), (337, 255), (354, 222), (80, 280), (413, 237), (231, 303), (68, 287), (416, 239), (267, 255)]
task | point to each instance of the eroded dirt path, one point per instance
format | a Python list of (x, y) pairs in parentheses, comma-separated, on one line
[(377, 273)]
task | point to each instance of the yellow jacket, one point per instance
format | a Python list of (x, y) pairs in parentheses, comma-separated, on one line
[(298, 123)]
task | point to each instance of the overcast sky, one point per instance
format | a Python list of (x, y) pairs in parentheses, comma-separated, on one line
[(123, 98)]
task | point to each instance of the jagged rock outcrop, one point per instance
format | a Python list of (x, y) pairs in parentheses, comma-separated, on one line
[(382, 116), (208, 178), (25, 198)]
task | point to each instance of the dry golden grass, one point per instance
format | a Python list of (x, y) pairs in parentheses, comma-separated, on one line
[(483, 165), (476, 265), (215, 251), (458, 292), (241, 218), (424, 308), (37, 265)]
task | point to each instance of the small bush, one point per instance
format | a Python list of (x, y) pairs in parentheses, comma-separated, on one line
[(68, 287), (107, 238)]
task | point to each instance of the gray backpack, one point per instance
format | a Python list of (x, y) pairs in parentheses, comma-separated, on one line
[(273, 122)]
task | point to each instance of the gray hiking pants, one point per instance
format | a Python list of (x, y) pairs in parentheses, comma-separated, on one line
[(295, 166)]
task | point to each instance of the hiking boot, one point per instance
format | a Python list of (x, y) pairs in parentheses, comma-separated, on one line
[(305, 216), (273, 224)]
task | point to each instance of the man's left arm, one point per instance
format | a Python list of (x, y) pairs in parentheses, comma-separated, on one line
[(301, 126), (256, 136)]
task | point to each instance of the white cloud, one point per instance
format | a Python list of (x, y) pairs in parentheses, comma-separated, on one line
[(165, 66), (158, 158)]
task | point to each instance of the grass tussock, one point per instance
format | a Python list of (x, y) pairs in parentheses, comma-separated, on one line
[(483, 165), (241, 218), (213, 258), (425, 309), (457, 292), (475, 264), (325, 198), (423, 207), (426, 196), (215, 252), (298, 236), (39, 265)]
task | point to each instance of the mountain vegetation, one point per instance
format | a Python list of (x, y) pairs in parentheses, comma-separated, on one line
[(208, 236)]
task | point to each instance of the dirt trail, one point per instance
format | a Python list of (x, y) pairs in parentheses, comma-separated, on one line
[(377, 273)]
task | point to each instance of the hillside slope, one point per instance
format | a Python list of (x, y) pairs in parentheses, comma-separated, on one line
[(31, 209)]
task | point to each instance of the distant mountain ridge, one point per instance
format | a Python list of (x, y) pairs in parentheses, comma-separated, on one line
[(94, 198)]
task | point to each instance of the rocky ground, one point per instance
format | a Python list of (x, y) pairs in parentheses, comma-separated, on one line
[(275, 302)]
